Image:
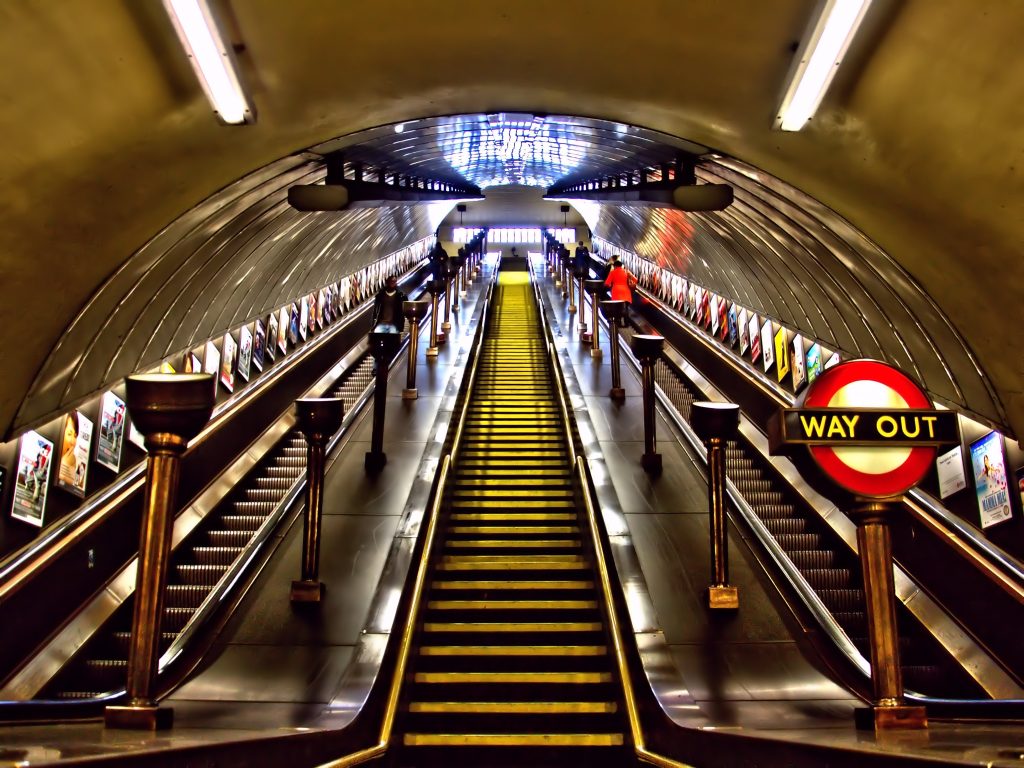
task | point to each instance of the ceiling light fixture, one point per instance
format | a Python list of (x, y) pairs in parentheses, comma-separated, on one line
[(818, 59), (211, 59)]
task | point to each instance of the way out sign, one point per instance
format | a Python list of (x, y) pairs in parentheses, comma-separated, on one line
[(869, 426)]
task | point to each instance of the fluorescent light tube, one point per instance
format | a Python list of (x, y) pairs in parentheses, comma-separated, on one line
[(210, 58), (818, 59)]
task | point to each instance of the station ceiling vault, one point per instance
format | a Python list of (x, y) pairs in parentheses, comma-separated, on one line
[(111, 143)]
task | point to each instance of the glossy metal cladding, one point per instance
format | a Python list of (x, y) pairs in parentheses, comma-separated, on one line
[(779, 252)]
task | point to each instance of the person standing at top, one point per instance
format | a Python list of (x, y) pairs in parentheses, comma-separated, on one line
[(582, 258), (439, 262), (622, 282), (387, 308)]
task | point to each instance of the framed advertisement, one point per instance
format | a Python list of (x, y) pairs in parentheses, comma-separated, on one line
[(814, 363), (135, 437), (32, 478), (744, 330), (304, 324), (723, 319), (767, 352), (275, 339), (950, 469), (227, 364), (755, 337), (715, 321), (798, 362), (75, 447), (988, 462), (781, 353), (732, 319), (166, 367), (705, 309), (259, 343), (833, 360), (244, 351), (691, 301), (110, 442), (293, 324), (211, 360), (1018, 477), (321, 308)]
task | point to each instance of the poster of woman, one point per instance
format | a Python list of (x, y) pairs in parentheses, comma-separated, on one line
[(989, 464), (32, 478), (75, 446), (108, 447)]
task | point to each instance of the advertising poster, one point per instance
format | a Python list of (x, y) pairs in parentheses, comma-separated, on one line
[(227, 363), (1019, 478), (705, 309), (734, 334), (950, 469), (211, 362), (714, 315), (32, 478), (259, 343), (744, 329), (766, 345), (311, 300), (723, 319), (293, 324), (244, 351), (166, 367), (781, 354), (109, 444), (755, 337), (135, 437), (691, 301), (814, 367), (304, 317), (798, 362), (275, 338), (833, 360), (989, 465), (321, 308), (75, 446)]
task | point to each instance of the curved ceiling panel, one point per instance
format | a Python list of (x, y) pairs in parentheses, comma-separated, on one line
[(781, 253)]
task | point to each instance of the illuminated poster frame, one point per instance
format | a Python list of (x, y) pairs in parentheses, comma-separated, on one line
[(988, 462)]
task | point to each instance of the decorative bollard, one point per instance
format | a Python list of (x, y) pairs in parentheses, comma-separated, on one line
[(594, 287), (319, 418), (563, 259), (581, 276), (414, 311), (435, 287), (715, 424), (169, 410), (613, 311), (447, 324), (455, 281), (647, 350), (570, 276), (384, 346)]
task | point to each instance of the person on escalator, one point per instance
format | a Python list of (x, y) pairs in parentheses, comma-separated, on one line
[(387, 310), (622, 282)]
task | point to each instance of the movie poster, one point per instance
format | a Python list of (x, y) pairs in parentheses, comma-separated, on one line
[(321, 308), (744, 330), (32, 478), (108, 447), (259, 343), (814, 363), (799, 363), (766, 345), (781, 353), (227, 363), (732, 321), (293, 324), (714, 315), (304, 317), (989, 465), (244, 351), (75, 447)]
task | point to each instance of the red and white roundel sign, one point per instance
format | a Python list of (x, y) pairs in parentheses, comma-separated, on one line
[(868, 470)]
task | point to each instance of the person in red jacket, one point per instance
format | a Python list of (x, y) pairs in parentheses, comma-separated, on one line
[(621, 281)]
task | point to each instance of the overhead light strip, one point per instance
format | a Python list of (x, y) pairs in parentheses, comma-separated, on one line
[(818, 60), (211, 59)]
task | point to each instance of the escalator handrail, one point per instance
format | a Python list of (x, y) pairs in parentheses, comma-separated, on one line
[(556, 369), (412, 614), (999, 567)]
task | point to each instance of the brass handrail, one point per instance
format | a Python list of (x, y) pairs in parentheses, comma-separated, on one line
[(395, 690)]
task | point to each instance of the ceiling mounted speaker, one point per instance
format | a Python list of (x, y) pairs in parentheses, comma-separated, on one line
[(318, 197), (702, 197)]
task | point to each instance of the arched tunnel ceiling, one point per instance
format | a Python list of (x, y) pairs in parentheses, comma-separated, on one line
[(110, 140)]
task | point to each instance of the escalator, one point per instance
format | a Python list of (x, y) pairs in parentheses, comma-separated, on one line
[(203, 560), (829, 567), (512, 661)]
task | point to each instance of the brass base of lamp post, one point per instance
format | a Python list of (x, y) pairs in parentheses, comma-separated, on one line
[(307, 591), (617, 393), (586, 337), (723, 598), (375, 461), (410, 394), (572, 309), (431, 352), (888, 717), (596, 353), (651, 462), (140, 717), (445, 327)]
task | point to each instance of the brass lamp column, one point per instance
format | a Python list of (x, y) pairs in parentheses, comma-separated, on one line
[(447, 324), (563, 262), (594, 288), (456, 280), (414, 311), (570, 276), (647, 350), (613, 311), (715, 424), (874, 542), (434, 286), (581, 276), (383, 346), (169, 410), (318, 418)]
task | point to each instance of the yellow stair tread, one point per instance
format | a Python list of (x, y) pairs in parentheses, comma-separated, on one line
[(516, 707), (512, 605), (512, 626), (516, 543), (490, 678), (514, 529), (469, 584), (514, 739), (513, 650), (530, 516)]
